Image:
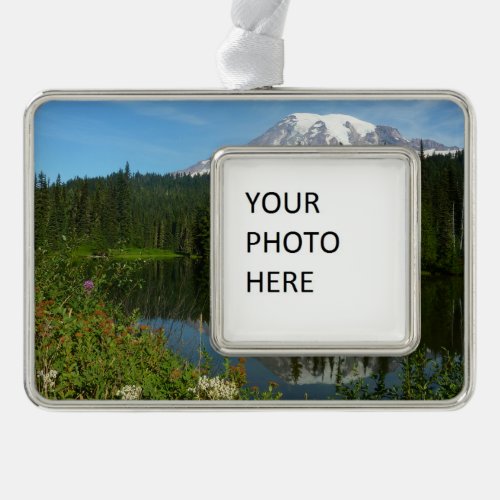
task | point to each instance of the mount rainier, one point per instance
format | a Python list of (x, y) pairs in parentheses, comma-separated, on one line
[(306, 129)]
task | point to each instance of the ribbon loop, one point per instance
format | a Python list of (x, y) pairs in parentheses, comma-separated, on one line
[(253, 54)]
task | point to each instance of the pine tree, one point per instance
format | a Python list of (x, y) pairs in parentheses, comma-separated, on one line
[(56, 219), (110, 217), (428, 236), (123, 203), (82, 211), (42, 209), (201, 232)]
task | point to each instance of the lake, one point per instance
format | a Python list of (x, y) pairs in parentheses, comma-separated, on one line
[(175, 297)]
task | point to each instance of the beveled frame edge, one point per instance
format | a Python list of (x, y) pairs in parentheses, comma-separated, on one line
[(274, 93), (257, 349)]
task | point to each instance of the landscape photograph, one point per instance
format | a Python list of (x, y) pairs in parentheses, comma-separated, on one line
[(122, 249)]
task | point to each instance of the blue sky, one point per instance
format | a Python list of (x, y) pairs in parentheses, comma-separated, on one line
[(91, 138)]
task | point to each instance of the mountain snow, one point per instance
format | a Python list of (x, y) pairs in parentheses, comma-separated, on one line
[(310, 129), (433, 151), (307, 129), (202, 167), (336, 126)]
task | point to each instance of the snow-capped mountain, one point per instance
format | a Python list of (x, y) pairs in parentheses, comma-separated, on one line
[(202, 167), (306, 129)]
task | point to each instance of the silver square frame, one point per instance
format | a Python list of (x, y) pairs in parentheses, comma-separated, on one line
[(320, 94), (258, 348)]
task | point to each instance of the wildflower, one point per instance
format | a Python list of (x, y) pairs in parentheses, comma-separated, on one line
[(215, 388), (88, 285), (48, 378), (130, 392)]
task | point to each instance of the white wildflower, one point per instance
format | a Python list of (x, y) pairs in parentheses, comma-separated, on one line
[(130, 392), (48, 378), (215, 388)]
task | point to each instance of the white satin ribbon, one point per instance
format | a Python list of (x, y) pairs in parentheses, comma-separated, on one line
[(253, 54)]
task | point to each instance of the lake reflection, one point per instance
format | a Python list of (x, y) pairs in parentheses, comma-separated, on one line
[(175, 297)]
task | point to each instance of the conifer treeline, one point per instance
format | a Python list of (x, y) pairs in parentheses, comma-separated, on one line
[(442, 213), (173, 212), (124, 210)]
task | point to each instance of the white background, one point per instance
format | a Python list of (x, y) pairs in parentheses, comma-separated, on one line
[(360, 292), (314, 454)]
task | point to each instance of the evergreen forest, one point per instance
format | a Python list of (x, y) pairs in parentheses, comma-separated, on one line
[(172, 213), (124, 210)]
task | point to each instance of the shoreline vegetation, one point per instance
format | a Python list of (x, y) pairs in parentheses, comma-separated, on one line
[(87, 347)]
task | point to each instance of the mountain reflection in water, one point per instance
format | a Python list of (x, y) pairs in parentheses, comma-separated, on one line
[(175, 297)]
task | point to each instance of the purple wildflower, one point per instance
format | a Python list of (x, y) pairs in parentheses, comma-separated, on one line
[(88, 285)]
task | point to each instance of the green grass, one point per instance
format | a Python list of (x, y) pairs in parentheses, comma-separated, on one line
[(83, 251), (126, 253), (143, 253)]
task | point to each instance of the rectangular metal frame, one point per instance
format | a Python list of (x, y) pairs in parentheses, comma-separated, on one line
[(263, 94)]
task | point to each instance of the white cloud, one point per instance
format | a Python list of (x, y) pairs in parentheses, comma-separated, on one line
[(167, 112)]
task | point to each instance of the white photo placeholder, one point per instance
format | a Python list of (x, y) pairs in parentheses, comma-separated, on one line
[(315, 251)]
